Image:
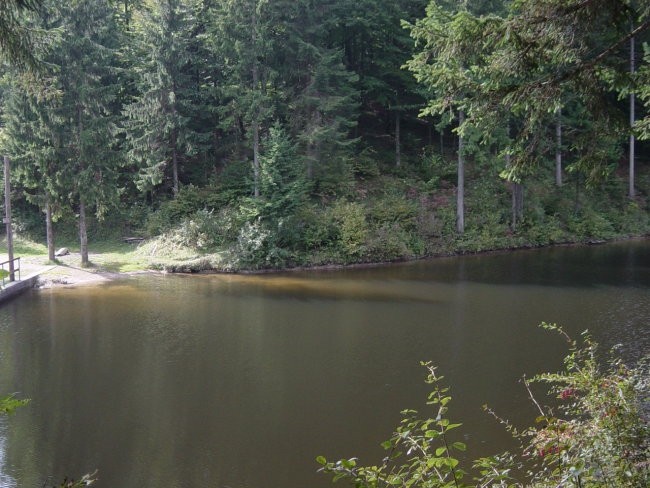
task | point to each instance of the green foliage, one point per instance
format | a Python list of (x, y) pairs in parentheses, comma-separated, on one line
[(353, 227), (283, 187), (9, 404), (158, 122), (523, 64), (18, 42), (599, 436), (189, 200), (421, 452), (85, 480), (256, 247), (274, 122)]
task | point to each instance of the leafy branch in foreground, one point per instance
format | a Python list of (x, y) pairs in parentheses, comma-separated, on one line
[(597, 436), (85, 480), (10, 403)]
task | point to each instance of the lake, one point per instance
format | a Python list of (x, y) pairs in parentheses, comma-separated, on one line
[(241, 381)]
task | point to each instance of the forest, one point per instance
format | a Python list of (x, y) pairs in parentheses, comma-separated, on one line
[(252, 134)]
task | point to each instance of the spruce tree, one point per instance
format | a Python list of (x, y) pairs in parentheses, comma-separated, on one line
[(241, 34), (87, 61), (33, 138), (158, 125)]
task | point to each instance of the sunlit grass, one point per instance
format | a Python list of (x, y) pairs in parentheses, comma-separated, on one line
[(23, 247), (116, 256)]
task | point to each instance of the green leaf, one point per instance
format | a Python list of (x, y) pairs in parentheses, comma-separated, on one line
[(459, 446), (451, 462), (321, 460), (440, 451)]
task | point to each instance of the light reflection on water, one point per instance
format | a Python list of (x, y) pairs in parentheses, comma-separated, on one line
[(191, 381)]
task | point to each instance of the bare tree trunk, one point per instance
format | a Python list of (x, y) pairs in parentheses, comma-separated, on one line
[(517, 204), (49, 232), (517, 194), (558, 148), (256, 125), (174, 165), (83, 236), (398, 149), (460, 191), (10, 236), (632, 193), (256, 158), (313, 148)]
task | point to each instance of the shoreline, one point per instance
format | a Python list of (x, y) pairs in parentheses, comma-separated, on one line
[(67, 275), (451, 254)]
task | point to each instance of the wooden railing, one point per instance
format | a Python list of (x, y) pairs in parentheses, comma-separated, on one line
[(6, 273)]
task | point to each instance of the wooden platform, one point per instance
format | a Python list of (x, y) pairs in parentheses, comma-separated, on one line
[(14, 288)]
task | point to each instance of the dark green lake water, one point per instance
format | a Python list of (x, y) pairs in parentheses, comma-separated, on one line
[(231, 381)]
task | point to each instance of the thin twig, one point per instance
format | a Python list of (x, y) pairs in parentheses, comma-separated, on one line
[(530, 394)]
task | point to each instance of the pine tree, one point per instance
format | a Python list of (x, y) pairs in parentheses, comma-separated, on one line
[(240, 33), (33, 139), (319, 94), (87, 63), (159, 121), (19, 40), (524, 62), (283, 187)]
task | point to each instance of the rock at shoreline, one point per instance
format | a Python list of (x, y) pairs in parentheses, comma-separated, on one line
[(64, 251)]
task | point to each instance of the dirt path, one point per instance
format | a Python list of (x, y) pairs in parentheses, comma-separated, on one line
[(67, 273)]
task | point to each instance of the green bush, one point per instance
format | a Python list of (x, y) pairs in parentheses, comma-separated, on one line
[(320, 228), (590, 225), (189, 200), (353, 227), (394, 208), (257, 248), (599, 437), (391, 241)]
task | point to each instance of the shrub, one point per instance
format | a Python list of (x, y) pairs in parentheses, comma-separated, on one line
[(189, 200), (353, 227), (599, 438), (257, 247), (393, 208)]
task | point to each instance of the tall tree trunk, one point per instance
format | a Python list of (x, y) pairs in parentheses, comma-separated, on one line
[(460, 191), (49, 232), (517, 194), (558, 148), (83, 236), (256, 124), (256, 157), (174, 165), (632, 193), (398, 149), (313, 147), (517, 204)]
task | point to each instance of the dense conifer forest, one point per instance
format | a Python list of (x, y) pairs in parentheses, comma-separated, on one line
[(246, 134)]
